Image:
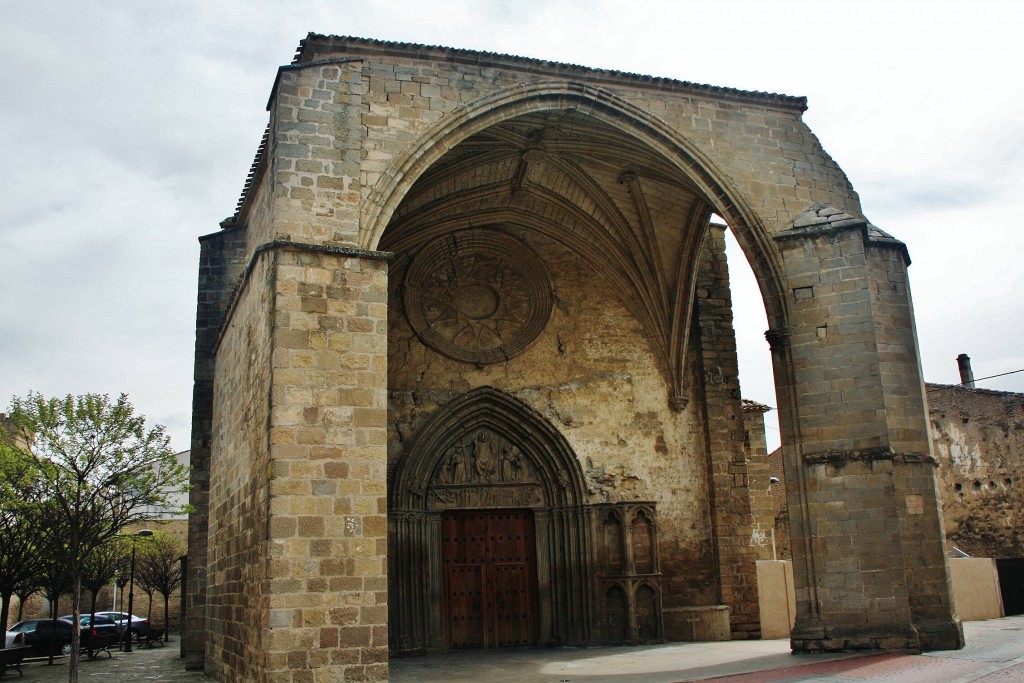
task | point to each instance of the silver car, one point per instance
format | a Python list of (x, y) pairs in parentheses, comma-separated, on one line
[(139, 625), (14, 639)]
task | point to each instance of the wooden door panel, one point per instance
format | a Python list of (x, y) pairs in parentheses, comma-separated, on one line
[(513, 613), (510, 537), (490, 578), (466, 605)]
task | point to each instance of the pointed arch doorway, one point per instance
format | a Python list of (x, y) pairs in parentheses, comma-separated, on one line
[(486, 493)]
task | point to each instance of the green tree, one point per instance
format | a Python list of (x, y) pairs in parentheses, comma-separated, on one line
[(55, 580), (97, 470), (160, 571), (100, 568), (20, 553)]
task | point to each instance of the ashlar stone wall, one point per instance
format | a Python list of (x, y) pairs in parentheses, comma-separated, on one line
[(977, 442), (237, 579), (372, 143), (729, 480), (374, 113), (860, 476), (327, 602)]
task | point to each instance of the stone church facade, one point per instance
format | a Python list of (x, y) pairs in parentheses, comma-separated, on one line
[(466, 375)]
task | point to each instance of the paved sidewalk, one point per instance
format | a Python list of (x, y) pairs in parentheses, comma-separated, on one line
[(994, 654), (141, 664)]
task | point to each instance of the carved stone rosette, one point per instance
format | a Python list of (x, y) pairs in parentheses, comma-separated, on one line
[(478, 296)]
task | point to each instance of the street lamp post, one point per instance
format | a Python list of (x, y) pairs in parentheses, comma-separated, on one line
[(131, 591)]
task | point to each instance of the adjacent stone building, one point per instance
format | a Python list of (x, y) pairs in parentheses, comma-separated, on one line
[(978, 439), (978, 443), (466, 374)]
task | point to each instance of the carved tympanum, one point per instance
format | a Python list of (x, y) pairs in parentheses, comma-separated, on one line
[(480, 296), (484, 470)]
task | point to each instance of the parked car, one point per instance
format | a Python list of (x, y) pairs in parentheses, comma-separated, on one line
[(98, 634), (139, 625), (45, 636), (14, 639)]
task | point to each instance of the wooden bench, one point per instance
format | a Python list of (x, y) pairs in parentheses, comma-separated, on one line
[(94, 647), (10, 658), (153, 639)]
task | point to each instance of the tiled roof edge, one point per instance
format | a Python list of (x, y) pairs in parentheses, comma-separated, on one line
[(753, 406)]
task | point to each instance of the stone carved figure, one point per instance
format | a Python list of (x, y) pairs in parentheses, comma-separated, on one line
[(458, 466), (511, 464), (485, 458)]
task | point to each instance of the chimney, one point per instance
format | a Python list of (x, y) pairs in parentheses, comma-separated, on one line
[(963, 361)]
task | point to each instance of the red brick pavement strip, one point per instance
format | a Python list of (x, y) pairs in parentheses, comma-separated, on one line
[(928, 668)]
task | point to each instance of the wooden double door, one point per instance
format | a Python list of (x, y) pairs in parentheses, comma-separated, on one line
[(490, 578)]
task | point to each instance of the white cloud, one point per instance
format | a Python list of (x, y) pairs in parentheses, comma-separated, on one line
[(128, 129)]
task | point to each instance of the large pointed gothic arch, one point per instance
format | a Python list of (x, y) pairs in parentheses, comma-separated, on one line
[(662, 300), (547, 481), (543, 96)]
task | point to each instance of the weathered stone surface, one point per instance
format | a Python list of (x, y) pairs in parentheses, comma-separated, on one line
[(608, 442), (978, 439)]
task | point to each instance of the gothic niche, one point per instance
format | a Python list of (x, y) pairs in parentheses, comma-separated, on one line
[(629, 583), (477, 296), (483, 470)]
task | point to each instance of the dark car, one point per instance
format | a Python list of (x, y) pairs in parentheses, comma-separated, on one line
[(98, 634), (45, 636)]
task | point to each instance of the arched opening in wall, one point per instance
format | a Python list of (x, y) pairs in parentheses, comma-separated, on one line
[(554, 259), (761, 415), (751, 322)]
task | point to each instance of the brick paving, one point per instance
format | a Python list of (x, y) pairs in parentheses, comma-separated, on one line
[(142, 664)]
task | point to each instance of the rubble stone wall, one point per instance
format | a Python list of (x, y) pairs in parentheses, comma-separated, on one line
[(978, 439), (596, 380)]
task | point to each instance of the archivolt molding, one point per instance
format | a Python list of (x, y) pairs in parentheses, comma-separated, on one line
[(487, 438)]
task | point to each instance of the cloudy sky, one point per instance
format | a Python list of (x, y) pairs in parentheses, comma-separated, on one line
[(127, 128)]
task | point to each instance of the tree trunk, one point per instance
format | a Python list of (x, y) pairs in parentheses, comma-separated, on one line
[(5, 611), (167, 617), (76, 630), (53, 617)]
